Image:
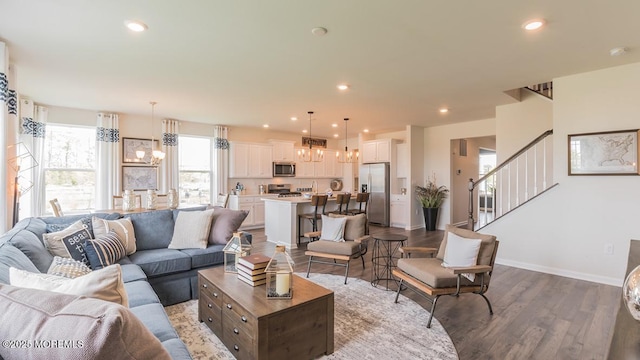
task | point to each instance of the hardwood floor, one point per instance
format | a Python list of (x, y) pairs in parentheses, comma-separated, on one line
[(536, 315)]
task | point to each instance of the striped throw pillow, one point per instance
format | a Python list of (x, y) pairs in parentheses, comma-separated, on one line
[(104, 250)]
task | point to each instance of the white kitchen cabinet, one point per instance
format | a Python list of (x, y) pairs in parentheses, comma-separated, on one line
[(402, 161), (329, 167), (248, 160), (283, 150), (254, 205), (377, 150), (398, 210), (332, 168)]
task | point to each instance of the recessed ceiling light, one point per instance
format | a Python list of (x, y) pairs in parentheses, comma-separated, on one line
[(334, 125), (534, 24), (335, 135), (293, 118), (265, 126), (618, 51), (343, 87), (319, 31), (444, 110), (304, 131), (366, 130), (136, 26)]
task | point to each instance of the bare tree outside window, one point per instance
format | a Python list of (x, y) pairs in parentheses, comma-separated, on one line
[(196, 173), (69, 167)]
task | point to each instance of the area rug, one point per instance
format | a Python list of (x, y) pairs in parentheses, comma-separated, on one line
[(367, 325)]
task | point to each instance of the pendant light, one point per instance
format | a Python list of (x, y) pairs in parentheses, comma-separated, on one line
[(310, 155), (347, 156), (156, 155)]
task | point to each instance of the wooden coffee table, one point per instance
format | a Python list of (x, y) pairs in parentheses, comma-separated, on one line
[(252, 327)]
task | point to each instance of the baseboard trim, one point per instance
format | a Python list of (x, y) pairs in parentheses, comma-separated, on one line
[(561, 272)]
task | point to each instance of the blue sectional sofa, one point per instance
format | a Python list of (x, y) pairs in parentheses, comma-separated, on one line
[(154, 276)]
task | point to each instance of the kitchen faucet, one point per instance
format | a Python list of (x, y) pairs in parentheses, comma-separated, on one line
[(316, 187)]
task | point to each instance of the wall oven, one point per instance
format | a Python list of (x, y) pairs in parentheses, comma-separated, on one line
[(284, 169)]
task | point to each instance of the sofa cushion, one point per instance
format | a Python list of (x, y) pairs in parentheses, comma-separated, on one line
[(90, 328), (140, 293), (155, 319), (177, 349), (161, 261), (104, 250), (122, 227), (225, 223), (334, 247), (132, 272), (33, 248), (105, 284), (210, 256), (67, 267), (69, 242), (10, 256), (191, 230), (153, 229)]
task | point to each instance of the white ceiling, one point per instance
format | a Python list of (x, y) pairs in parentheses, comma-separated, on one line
[(247, 63)]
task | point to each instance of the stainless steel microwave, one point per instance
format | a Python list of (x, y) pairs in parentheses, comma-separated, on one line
[(284, 169)]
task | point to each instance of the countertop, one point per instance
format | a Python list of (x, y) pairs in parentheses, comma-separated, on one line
[(300, 199)]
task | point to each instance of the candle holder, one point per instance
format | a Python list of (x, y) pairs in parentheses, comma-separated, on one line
[(236, 248), (280, 275)]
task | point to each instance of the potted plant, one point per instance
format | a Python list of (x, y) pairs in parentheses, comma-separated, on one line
[(431, 197)]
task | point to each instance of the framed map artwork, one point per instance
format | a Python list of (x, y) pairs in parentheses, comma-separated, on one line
[(139, 178), (604, 153), (131, 145)]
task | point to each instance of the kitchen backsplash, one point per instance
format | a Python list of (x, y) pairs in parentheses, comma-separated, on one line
[(251, 185)]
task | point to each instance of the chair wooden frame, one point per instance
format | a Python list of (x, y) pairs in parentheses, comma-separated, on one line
[(57, 209), (363, 241), (222, 200), (433, 294), (318, 202), (342, 200), (360, 199)]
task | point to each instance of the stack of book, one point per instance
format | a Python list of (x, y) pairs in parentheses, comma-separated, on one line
[(251, 269)]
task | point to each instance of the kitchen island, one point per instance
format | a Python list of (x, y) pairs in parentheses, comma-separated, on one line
[(281, 218)]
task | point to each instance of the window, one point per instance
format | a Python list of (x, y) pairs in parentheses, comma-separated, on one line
[(70, 167), (196, 174)]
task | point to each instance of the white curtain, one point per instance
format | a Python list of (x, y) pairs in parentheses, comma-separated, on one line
[(33, 122), (108, 173), (8, 131), (220, 160), (169, 166)]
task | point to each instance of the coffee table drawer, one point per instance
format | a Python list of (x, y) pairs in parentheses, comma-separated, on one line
[(239, 315), (211, 290), (210, 314), (237, 339)]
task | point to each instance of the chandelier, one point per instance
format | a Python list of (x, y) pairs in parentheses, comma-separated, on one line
[(347, 156), (310, 155), (156, 155)]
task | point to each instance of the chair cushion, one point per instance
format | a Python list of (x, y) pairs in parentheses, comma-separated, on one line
[(355, 227), (332, 228), (431, 272), (191, 230), (486, 248), (347, 248), (95, 329), (161, 261)]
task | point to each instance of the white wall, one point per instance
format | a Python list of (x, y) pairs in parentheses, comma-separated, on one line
[(564, 231), (437, 158)]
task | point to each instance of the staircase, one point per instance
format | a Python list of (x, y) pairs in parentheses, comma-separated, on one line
[(524, 176), (545, 89)]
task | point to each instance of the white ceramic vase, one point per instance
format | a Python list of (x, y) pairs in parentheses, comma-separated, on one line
[(151, 199), (172, 199)]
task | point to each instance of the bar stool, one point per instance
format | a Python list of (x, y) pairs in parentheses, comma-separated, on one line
[(319, 202), (360, 199), (342, 200)]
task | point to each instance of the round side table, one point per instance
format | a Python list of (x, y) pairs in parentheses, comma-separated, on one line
[(385, 252)]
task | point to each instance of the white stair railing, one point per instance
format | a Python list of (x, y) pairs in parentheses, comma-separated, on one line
[(520, 178)]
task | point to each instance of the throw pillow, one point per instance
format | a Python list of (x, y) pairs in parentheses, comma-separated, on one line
[(68, 268), (90, 328), (461, 252), (191, 230), (68, 242), (333, 228), (59, 227), (225, 223), (355, 227), (105, 284), (122, 227), (104, 250)]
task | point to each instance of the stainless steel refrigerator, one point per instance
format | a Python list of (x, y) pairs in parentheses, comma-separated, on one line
[(374, 179)]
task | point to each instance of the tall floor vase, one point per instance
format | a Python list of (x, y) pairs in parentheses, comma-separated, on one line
[(430, 218)]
